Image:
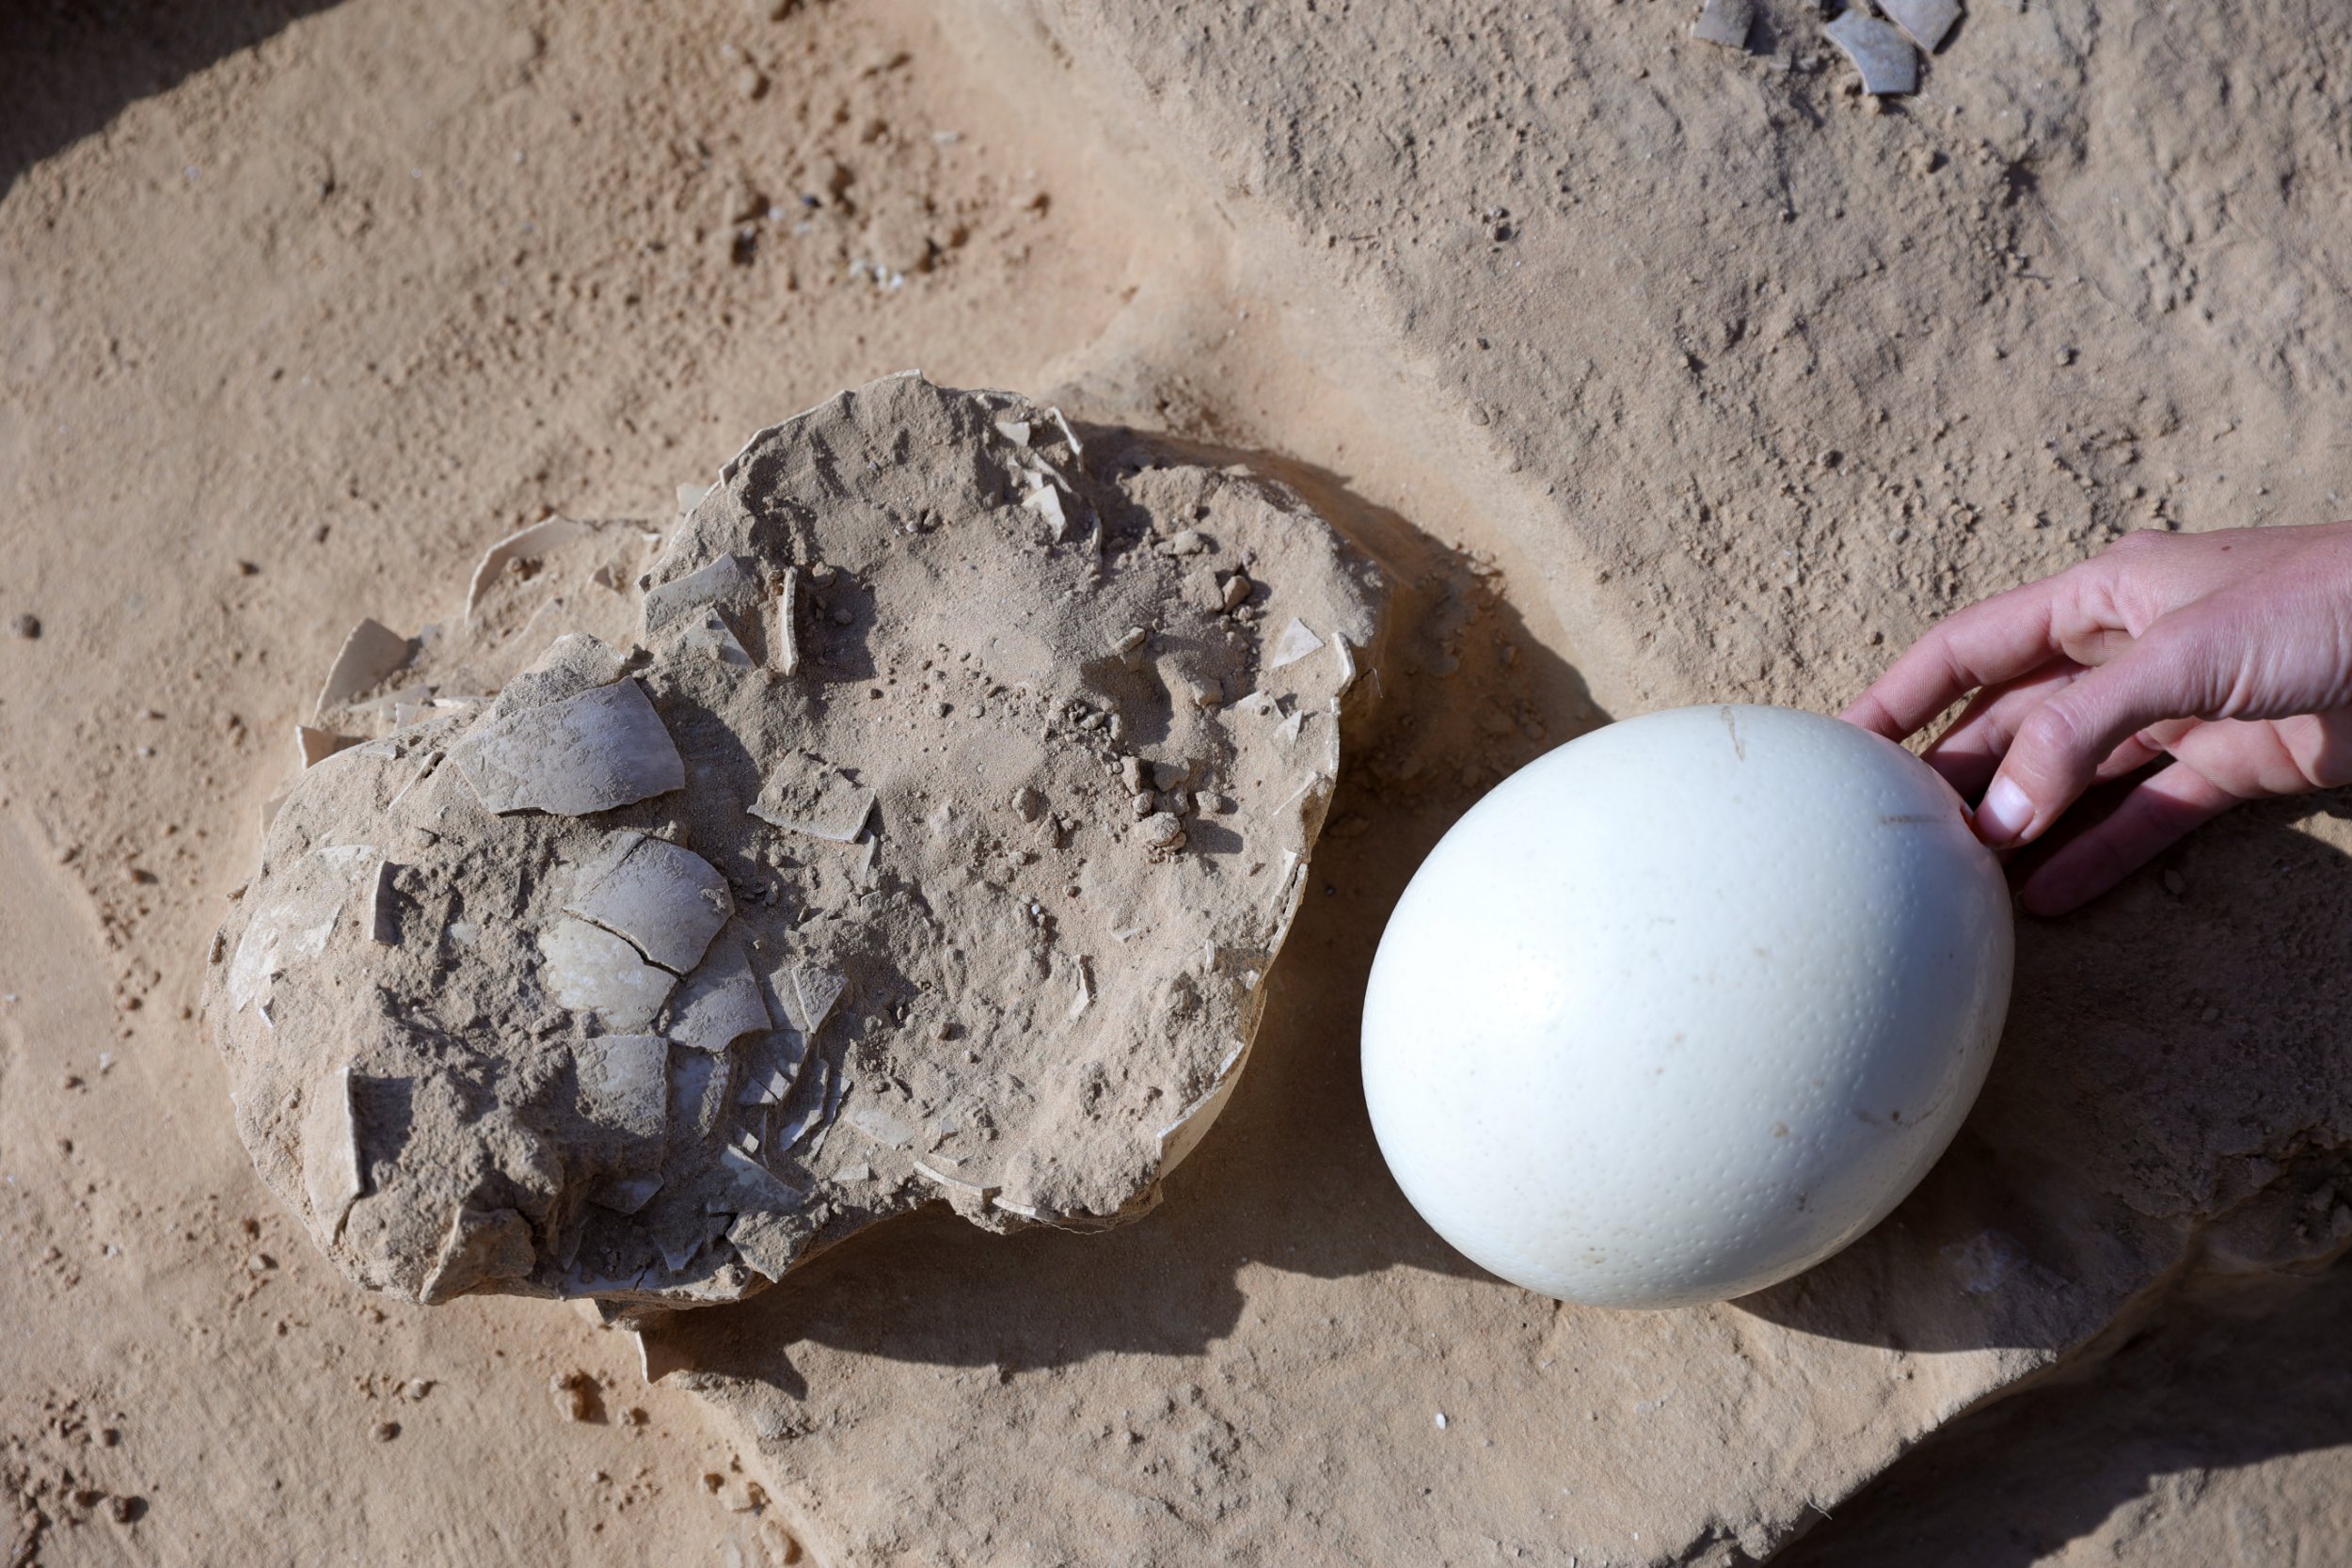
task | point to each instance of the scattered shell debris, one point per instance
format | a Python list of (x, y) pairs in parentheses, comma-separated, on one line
[(593, 751), (1926, 21), (1725, 22), (1887, 60), (1295, 643), (862, 799), (370, 655), (314, 746)]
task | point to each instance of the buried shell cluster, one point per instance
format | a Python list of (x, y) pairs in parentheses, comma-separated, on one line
[(913, 819)]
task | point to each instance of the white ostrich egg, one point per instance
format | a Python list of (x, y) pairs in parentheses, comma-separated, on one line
[(1686, 1006)]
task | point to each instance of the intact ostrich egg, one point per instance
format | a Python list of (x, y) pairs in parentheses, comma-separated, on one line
[(1686, 1006)]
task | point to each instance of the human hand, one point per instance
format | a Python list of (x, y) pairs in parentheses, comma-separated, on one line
[(2231, 651)]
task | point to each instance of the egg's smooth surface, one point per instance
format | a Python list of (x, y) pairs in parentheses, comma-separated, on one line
[(1686, 1006)]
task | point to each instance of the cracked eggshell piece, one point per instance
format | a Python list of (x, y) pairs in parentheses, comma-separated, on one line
[(599, 750), (369, 656), (1724, 22), (807, 795), (1683, 1008), (295, 924), (1926, 21), (588, 969), (721, 585), (523, 544), (1294, 642), (331, 1176), (666, 899), (720, 1002), (1886, 59)]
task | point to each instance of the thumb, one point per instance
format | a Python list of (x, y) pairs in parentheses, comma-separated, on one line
[(2059, 746)]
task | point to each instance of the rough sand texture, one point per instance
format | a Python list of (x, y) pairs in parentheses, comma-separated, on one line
[(1877, 363), (354, 304), (2223, 1436), (301, 309), (920, 830)]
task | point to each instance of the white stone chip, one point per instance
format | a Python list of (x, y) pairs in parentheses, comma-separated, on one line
[(812, 1103), (774, 1064), (715, 637), (602, 749)]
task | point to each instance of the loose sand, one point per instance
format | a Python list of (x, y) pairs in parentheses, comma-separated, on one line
[(301, 308)]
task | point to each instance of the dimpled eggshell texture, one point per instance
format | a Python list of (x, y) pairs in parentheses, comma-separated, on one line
[(1686, 1006)]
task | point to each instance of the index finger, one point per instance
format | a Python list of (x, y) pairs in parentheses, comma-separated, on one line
[(1993, 641)]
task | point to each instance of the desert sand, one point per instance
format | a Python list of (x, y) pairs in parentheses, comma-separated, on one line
[(1668, 370)]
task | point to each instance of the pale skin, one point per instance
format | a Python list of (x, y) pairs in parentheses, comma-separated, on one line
[(2218, 663)]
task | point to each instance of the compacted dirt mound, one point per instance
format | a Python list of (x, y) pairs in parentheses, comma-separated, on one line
[(918, 826)]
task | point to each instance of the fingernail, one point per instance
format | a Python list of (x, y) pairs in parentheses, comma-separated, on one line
[(2003, 813)]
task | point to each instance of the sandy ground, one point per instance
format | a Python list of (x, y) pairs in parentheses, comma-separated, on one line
[(302, 306)]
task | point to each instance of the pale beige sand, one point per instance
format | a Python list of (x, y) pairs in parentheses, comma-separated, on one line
[(289, 332)]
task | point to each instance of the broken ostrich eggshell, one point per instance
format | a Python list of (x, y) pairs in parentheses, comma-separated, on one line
[(667, 918)]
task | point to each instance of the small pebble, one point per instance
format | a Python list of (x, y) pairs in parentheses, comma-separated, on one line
[(27, 626), (387, 1430), (575, 1394)]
